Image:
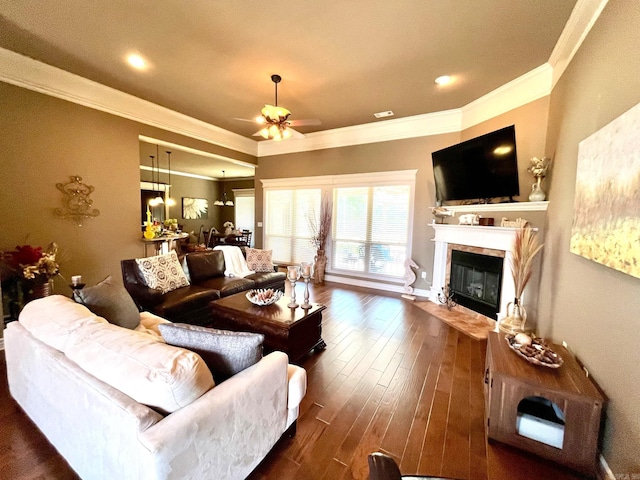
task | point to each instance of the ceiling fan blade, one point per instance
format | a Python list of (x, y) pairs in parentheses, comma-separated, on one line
[(295, 133), (304, 123), (246, 120)]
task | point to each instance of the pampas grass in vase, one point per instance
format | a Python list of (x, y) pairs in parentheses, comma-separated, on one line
[(525, 248)]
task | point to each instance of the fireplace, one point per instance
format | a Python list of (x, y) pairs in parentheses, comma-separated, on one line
[(491, 241), (476, 281)]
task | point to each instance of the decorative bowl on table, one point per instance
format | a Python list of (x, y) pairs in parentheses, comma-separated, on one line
[(264, 296), (534, 350)]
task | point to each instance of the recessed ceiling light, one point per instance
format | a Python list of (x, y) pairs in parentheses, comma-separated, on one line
[(444, 80), (388, 113), (136, 61)]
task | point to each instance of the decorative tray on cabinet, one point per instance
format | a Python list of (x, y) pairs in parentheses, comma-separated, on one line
[(537, 352)]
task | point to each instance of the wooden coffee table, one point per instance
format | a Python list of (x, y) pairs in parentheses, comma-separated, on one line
[(295, 331)]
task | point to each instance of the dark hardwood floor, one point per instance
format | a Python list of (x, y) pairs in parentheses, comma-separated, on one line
[(393, 378)]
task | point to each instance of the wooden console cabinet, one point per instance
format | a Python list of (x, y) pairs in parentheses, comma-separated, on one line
[(554, 413)]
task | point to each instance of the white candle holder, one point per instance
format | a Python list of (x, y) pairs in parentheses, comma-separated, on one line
[(306, 276), (293, 274)]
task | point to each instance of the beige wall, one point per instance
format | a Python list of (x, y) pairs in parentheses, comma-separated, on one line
[(408, 154), (414, 153), (592, 307), (44, 140)]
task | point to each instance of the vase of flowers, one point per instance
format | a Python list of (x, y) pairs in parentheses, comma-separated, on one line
[(538, 169), (320, 229), (27, 274), (525, 248)]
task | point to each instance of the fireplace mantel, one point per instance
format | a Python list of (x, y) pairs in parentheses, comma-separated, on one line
[(496, 238)]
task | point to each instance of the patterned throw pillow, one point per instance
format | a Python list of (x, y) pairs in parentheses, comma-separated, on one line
[(163, 272), (259, 260)]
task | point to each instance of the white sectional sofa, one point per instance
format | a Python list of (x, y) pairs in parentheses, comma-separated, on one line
[(119, 403)]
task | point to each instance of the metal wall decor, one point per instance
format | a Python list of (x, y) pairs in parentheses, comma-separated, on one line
[(76, 202)]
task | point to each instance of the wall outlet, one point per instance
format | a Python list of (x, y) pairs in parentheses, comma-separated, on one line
[(423, 275), (259, 225)]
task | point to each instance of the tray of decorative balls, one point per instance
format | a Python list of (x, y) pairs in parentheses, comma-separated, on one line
[(534, 350)]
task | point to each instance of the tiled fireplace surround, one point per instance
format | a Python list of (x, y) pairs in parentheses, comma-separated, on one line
[(493, 241)]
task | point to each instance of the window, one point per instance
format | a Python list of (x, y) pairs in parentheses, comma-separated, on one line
[(244, 209), (372, 221), (371, 229), (287, 230)]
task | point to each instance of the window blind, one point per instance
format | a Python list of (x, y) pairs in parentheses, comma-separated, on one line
[(371, 226), (287, 231)]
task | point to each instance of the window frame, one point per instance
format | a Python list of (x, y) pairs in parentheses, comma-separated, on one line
[(327, 184)]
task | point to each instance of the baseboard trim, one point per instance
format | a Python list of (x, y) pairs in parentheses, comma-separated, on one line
[(388, 287)]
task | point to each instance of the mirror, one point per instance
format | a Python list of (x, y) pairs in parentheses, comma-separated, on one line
[(193, 174)]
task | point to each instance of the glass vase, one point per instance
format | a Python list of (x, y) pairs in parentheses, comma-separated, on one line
[(515, 319)]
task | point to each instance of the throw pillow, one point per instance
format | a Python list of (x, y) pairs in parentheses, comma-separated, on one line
[(225, 353), (110, 301), (162, 272), (259, 260)]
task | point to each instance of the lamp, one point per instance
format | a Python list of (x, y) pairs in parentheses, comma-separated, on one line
[(223, 201), (170, 201)]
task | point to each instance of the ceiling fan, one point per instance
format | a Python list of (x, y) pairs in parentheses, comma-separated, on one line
[(275, 119)]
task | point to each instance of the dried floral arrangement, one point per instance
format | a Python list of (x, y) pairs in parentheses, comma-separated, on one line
[(539, 166), (525, 248), (321, 227)]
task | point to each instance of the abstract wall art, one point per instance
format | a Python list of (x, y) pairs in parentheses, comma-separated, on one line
[(606, 223)]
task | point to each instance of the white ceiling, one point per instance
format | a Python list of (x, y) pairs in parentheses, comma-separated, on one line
[(340, 61)]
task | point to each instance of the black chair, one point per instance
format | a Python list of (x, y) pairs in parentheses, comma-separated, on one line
[(384, 467), (212, 238), (241, 240)]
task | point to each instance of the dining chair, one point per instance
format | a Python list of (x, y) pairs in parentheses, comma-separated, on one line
[(212, 239)]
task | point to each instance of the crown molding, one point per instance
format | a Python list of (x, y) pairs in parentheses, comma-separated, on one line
[(525, 89), (383, 131), (33, 75), (349, 179), (582, 18)]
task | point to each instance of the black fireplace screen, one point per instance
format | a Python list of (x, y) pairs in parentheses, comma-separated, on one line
[(476, 281)]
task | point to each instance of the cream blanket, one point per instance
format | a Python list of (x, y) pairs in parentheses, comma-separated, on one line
[(235, 264)]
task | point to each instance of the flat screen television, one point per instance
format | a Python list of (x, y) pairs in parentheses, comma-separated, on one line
[(480, 169)]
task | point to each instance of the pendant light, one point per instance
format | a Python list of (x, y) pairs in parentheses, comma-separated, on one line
[(159, 200), (223, 201), (170, 201), (153, 201)]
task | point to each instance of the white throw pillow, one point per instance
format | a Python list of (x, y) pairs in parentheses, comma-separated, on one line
[(162, 272), (259, 260)]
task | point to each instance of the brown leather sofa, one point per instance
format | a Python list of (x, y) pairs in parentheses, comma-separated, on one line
[(190, 304)]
